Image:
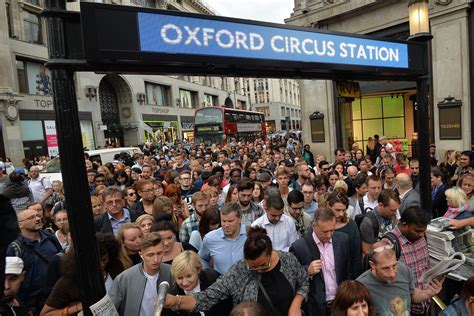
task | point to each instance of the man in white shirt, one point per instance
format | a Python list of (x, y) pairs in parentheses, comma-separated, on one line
[(134, 291), (370, 200), (41, 187), (280, 227)]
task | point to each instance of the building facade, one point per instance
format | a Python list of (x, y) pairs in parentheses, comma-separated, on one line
[(389, 108), (116, 110), (278, 99)]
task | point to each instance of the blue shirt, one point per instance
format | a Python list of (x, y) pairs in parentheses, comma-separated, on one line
[(453, 309), (312, 209), (224, 251), (117, 223)]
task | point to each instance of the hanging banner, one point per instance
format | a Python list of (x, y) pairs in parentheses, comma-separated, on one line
[(51, 138)]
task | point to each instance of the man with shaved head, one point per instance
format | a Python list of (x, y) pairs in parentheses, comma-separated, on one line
[(40, 186), (352, 173), (391, 284), (408, 195)]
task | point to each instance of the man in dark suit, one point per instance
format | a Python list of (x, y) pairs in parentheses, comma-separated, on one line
[(324, 253), (116, 215), (408, 195)]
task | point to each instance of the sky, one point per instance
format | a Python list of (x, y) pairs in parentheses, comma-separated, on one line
[(261, 10)]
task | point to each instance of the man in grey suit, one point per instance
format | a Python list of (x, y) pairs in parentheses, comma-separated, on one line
[(408, 195), (134, 291), (324, 254)]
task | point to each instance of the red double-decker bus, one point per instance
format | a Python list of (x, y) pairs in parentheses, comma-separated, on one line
[(218, 125)]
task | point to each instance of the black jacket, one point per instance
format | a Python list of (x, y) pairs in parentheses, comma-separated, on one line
[(102, 222), (439, 204), (306, 250)]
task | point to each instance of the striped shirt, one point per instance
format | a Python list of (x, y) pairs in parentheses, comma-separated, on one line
[(416, 257)]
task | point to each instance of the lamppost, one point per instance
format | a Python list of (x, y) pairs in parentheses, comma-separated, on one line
[(418, 12)]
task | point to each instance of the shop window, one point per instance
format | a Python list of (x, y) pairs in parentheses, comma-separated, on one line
[(32, 130), (371, 108), (87, 135), (34, 2), (393, 106), (394, 127), (210, 100), (157, 94), (32, 27), (9, 20), (378, 115), (21, 73), (372, 127), (33, 78), (187, 99)]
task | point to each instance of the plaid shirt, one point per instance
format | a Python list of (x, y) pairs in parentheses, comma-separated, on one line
[(189, 225), (416, 257)]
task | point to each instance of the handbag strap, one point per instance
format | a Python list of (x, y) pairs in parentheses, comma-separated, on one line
[(274, 311)]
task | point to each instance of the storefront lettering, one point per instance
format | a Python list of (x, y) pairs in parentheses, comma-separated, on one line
[(45, 104), (348, 89), (447, 126), (159, 110)]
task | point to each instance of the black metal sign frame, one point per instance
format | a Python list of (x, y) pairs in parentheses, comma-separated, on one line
[(103, 38)]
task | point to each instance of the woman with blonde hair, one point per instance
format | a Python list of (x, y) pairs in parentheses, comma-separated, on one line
[(129, 237), (97, 205), (457, 201), (213, 195), (145, 221), (191, 278), (163, 205), (99, 190), (449, 162)]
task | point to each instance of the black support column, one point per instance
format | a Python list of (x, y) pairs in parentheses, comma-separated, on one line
[(73, 171), (424, 141)]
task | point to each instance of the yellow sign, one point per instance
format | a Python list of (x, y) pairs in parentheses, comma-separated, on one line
[(207, 128), (348, 89)]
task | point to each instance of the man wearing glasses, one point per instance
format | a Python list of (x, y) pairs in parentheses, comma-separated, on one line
[(35, 247), (391, 284), (310, 205), (295, 211), (116, 214)]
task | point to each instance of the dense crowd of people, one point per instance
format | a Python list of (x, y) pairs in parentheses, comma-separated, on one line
[(245, 228)]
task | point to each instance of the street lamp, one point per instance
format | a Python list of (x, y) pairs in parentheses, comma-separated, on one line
[(420, 32), (418, 16)]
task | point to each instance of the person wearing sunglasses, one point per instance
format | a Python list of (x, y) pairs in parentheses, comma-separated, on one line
[(391, 284), (271, 278)]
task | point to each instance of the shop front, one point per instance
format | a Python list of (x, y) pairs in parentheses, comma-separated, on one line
[(361, 116), (270, 126), (38, 129), (164, 128), (187, 128)]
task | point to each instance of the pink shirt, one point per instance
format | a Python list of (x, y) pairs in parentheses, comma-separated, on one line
[(329, 267)]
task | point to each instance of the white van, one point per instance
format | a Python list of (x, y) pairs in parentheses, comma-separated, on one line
[(107, 155), (52, 170)]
